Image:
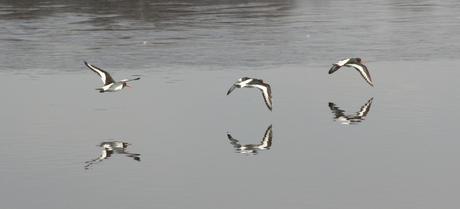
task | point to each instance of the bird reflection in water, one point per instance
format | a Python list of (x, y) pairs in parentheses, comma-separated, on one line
[(351, 119), (253, 148), (110, 148)]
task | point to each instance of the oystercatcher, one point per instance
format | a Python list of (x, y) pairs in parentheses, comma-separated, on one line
[(246, 82), (357, 64), (109, 84)]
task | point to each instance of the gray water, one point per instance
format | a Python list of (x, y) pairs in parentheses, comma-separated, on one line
[(402, 154)]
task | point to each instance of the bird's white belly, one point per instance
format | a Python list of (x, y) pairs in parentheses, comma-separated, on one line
[(116, 87)]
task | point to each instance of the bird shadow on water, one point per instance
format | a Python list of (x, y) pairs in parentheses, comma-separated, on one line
[(253, 149), (109, 148)]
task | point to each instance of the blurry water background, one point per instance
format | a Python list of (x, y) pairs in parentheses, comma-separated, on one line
[(402, 154)]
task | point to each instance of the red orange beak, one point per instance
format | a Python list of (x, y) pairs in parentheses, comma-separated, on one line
[(127, 144), (363, 62), (128, 86)]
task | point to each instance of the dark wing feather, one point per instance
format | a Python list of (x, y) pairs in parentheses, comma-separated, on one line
[(105, 76), (267, 94), (362, 69), (334, 68)]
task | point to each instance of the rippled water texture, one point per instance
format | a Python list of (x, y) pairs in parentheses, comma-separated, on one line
[(331, 141), (224, 34)]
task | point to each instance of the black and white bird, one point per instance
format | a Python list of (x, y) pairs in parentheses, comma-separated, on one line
[(246, 82), (357, 63), (109, 84)]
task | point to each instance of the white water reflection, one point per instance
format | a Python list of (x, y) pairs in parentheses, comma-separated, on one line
[(253, 149), (350, 119), (109, 148), (214, 34)]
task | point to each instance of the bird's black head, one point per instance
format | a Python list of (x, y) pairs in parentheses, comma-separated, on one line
[(244, 78), (358, 60)]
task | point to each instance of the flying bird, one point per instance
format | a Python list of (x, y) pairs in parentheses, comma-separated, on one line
[(246, 82), (357, 63), (109, 84)]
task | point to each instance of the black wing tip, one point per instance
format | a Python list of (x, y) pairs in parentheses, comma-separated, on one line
[(270, 107), (87, 64), (231, 89), (90, 66), (333, 69)]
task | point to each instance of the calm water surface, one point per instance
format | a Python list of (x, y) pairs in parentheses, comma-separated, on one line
[(403, 153)]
